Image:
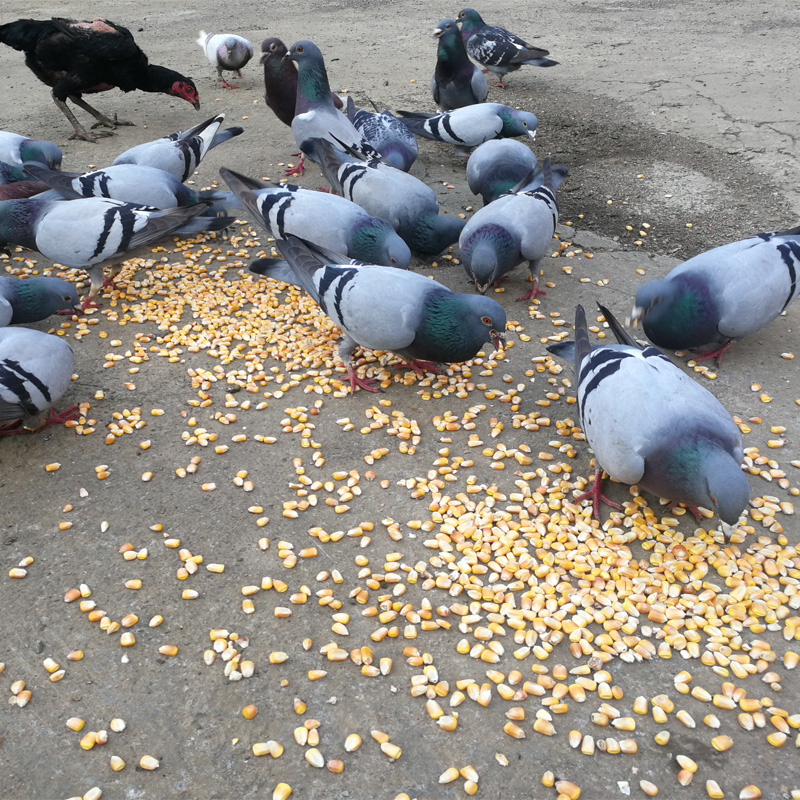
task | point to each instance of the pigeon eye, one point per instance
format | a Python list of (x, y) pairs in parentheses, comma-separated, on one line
[(298, 49), (67, 298), (273, 46), (486, 320), (656, 301)]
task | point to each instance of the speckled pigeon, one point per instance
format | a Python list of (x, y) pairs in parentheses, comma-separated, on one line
[(180, 153), (405, 202), (387, 134), (498, 166), (316, 116), (85, 234), (35, 373), (226, 51), (516, 227), (722, 295), (328, 221), (18, 150), (280, 80), (497, 49), (651, 424), (456, 82), (387, 309), (33, 299), (472, 125)]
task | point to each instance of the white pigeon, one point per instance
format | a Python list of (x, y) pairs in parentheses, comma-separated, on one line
[(226, 51)]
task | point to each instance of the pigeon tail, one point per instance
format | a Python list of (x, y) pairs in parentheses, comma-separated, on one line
[(582, 344)]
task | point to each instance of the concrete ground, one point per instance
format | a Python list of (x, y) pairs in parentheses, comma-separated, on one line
[(676, 121)]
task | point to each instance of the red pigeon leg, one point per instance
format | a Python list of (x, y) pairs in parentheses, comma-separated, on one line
[(596, 495)]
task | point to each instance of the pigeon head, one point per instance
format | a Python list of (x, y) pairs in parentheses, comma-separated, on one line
[(37, 298), (272, 50), (376, 242), (40, 152), (231, 43), (454, 327), (445, 26), (728, 489), (469, 19), (677, 313), (312, 78), (518, 123), (432, 232), (488, 253)]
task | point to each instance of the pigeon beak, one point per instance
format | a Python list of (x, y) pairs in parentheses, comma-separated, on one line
[(532, 134), (287, 57), (498, 340), (264, 57), (481, 289), (437, 32), (637, 314), (727, 530)]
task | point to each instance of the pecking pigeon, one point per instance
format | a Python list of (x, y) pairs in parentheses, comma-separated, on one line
[(387, 134), (85, 234), (34, 299), (383, 308), (226, 51), (516, 227), (497, 49), (328, 221), (405, 202), (722, 294), (498, 166), (17, 150), (280, 81), (35, 373), (180, 153), (128, 183), (472, 125), (651, 424), (316, 116), (456, 82)]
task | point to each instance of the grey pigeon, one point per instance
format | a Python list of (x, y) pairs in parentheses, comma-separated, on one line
[(516, 227), (226, 51), (180, 153), (497, 49), (387, 134), (33, 299), (328, 221), (456, 81), (17, 150), (129, 183), (316, 116), (722, 295), (386, 309), (498, 166), (405, 202), (35, 373), (85, 234), (472, 125), (650, 424)]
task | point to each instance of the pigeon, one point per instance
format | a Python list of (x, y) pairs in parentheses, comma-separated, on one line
[(497, 49), (650, 424), (33, 299), (405, 202), (316, 116), (516, 227), (226, 51), (180, 153), (280, 81), (129, 183), (387, 134), (471, 125), (497, 166), (721, 295), (331, 222), (384, 308), (84, 234), (456, 82), (35, 373), (17, 150)]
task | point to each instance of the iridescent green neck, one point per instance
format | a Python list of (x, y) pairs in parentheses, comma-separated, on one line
[(312, 86)]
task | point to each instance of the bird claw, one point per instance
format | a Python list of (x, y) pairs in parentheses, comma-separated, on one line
[(420, 367), (298, 170), (91, 137), (107, 122), (534, 292), (88, 302), (595, 494), (226, 85), (705, 355), (56, 418), (12, 429)]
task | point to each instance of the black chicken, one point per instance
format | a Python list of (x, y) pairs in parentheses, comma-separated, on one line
[(77, 58)]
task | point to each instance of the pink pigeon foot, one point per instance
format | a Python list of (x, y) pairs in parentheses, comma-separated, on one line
[(88, 302), (299, 169), (596, 495), (420, 367), (12, 429), (705, 355), (56, 418), (499, 84), (226, 85), (534, 292), (367, 384)]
